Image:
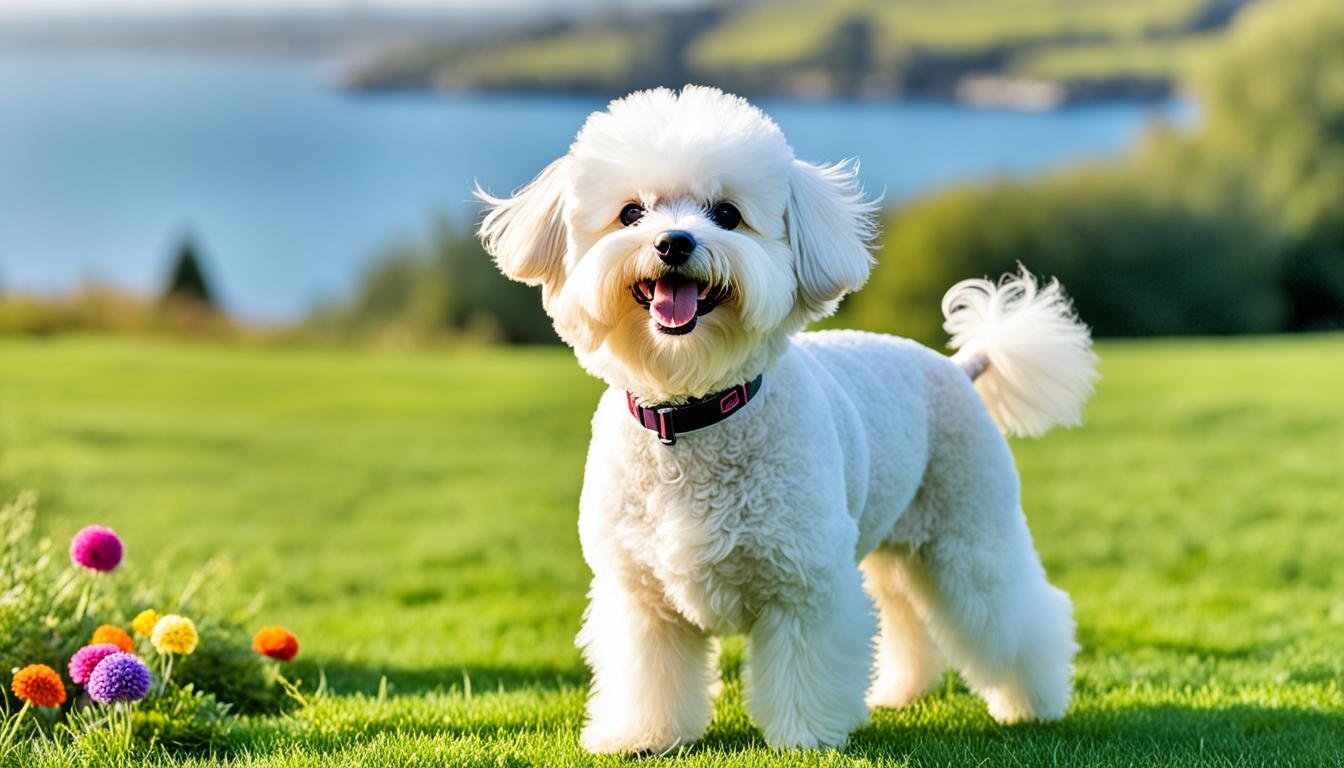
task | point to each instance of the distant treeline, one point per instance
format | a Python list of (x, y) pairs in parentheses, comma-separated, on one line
[(186, 306), (1028, 53), (1237, 227), (445, 288)]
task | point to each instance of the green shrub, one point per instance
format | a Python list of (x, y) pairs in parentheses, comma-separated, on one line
[(100, 309), (1136, 262), (1272, 134), (444, 288)]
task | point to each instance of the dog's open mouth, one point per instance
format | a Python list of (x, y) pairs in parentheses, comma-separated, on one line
[(675, 301)]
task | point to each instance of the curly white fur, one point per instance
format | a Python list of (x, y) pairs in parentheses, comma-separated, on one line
[(864, 501)]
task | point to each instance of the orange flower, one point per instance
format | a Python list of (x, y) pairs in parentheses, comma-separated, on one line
[(39, 685), (277, 642), (114, 635)]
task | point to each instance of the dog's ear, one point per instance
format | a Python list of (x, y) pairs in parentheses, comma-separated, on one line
[(525, 233), (831, 225)]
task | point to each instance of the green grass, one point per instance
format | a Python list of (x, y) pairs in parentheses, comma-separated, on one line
[(595, 53), (1159, 58), (794, 30), (413, 517)]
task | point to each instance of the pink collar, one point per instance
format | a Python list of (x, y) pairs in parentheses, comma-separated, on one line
[(671, 420)]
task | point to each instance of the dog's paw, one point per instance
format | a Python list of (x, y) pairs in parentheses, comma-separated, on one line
[(801, 735), (897, 693), (1010, 705), (889, 698), (803, 739), (599, 740)]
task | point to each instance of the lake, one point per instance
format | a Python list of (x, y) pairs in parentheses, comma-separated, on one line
[(291, 186)]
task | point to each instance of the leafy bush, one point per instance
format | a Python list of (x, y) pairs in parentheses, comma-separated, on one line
[(1273, 132), (100, 309), (1136, 262), (445, 288)]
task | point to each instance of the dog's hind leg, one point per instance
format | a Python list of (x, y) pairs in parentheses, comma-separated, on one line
[(985, 599), (652, 672), (907, 661)]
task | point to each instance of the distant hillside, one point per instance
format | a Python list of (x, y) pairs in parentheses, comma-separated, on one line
[(1021, 53), (289, 34)]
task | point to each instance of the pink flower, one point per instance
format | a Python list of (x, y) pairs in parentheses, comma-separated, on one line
[(86, 658), (96, 548)]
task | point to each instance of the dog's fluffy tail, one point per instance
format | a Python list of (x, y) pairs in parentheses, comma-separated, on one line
[(1030, 356)]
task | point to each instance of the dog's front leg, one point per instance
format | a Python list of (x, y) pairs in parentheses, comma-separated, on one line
[(809, 666), (651, 672)]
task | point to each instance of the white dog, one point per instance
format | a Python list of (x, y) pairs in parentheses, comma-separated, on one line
[(742, 474)]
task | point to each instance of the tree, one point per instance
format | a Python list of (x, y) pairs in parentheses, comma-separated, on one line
[(849, 56), (1273, 132), (186, 281)]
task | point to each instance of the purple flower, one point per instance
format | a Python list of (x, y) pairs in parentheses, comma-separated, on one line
[(96, 548), (119, 677), (86, 658)]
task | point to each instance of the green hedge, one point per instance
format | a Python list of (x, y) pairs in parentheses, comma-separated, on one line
[(1136, 262), (445, 288)]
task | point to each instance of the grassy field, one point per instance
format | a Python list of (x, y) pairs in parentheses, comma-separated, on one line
[(413, 517), (796, 30)]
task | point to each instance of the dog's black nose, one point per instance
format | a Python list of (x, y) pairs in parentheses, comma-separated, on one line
[(674, 246)]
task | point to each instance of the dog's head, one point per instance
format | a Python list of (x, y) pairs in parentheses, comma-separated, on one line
[(679, 242)]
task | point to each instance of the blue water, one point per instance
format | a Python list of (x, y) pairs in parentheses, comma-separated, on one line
[(291, 186)]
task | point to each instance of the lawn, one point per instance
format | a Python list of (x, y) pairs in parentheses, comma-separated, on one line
[(412, 518), (782, 33)]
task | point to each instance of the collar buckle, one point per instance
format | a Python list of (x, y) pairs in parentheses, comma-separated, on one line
[(667, 433)]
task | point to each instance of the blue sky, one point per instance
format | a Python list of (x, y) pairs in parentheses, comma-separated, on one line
[(154, 7)]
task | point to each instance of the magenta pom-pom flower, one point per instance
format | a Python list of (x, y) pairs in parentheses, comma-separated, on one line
[(96, 548), (119, 677), (85, 659)]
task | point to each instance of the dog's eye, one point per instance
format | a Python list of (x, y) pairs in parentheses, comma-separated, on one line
[(630, 214), (726, 215)]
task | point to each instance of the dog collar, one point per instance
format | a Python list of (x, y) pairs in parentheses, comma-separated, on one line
[(671, 420)]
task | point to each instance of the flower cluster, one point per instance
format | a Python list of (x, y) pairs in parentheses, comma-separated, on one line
[(96, 548), (111, 634), (276, 642), (108, 668), (174, 634), (38, 685), (144, 622), (87, 658), (119, 677)]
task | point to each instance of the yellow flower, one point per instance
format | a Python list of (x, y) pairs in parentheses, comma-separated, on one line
[(144, 622), (174, 634)]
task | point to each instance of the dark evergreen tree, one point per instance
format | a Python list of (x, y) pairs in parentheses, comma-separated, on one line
[(187, 280)]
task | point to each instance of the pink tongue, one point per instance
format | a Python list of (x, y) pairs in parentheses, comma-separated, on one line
[(674, 301)]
